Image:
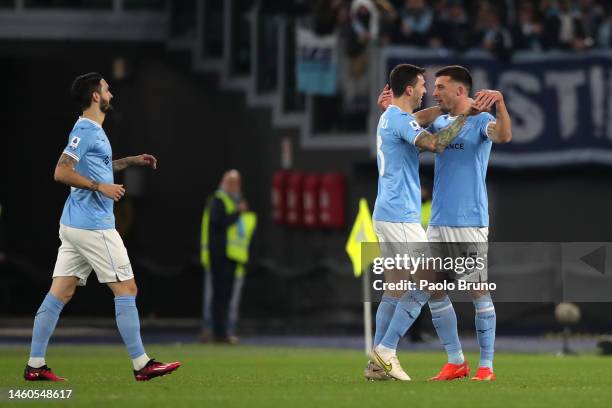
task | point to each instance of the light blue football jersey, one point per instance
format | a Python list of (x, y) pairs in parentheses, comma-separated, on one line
[(399, 188), (460, 190), (87, 209)]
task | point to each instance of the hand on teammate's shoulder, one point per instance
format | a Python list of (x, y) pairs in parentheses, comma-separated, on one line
[(486, 98)]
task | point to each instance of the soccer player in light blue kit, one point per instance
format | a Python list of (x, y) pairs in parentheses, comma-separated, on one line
[(397, 217), (460, 209), (459, 214), (88, 235)]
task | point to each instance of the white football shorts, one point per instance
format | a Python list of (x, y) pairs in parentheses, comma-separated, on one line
[(474, 243), (101, 250), (400, 238)]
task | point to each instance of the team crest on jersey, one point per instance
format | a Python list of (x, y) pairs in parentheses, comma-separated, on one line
[(74, 142), (414, 125)]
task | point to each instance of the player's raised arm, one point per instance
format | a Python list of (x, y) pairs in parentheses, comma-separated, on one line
[(66, 174), (499, 131), (425, 117), (140, 160), (384, 98), (437, 142)]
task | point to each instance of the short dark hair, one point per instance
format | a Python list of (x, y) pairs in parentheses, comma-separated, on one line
[(404, 75), (83, 86), (458, 74)]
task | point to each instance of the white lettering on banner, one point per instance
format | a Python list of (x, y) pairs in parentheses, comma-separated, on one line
[(567, 84), (597, 83), (528, 118)]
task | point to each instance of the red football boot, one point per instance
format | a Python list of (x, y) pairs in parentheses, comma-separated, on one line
[(452, 371), (43, 373), (155, 369), (484, 374)]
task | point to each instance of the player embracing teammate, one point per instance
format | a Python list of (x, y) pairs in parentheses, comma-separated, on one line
[(459, 214)]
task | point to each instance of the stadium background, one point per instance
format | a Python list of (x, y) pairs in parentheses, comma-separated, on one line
[(189, 80)]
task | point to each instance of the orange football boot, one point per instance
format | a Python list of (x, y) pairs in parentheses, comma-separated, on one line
[(484, 374), (452, 371)]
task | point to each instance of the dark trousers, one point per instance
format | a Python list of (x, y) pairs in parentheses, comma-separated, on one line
[(223, 273)]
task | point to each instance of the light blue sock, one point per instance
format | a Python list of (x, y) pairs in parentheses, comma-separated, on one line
[(485, 329), (406, 312), (128, 324), (44, 324), (384, 314), (444, 320)]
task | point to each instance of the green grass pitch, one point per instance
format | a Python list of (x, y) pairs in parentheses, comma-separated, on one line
[(226, 376)]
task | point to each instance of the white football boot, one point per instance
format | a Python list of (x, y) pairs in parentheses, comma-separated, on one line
[(389, 362), (374, 372)]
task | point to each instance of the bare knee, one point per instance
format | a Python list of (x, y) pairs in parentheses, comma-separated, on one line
[(63, 288), (132, 289), (64, 297), (477, 294), (126, 288)]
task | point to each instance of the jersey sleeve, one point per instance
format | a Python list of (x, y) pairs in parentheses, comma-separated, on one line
[(435, 126), (409, 129), (79, 144), (485, 119)]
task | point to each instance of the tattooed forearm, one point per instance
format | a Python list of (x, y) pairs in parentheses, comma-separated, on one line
[(66, 161), (66, 174), (122, 164), (437, 142)]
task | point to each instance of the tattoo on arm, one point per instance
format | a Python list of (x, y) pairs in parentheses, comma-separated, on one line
[(65, 173), (437, 142), (66, 161), (121, 164)]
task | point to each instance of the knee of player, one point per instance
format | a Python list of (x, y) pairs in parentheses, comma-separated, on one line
[(481, 295), (132, 289), (64, 295)]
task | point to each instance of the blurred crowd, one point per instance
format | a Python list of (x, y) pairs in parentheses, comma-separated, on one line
[(500, 27)]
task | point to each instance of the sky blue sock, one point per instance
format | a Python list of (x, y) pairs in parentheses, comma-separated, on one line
[(44, 324), (407, 310), (384, 314), (128, 324), (444, 320), (485, 329)]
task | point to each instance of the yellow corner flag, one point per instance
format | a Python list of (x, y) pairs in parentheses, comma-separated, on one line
[(362, 231)]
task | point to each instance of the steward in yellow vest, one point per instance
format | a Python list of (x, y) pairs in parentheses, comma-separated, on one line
[(229, 232), (227, 229)]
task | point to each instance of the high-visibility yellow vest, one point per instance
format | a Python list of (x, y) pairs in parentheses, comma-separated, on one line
[(425, 213), (239, 234)]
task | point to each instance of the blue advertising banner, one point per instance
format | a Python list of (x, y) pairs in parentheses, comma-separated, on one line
[(560, 104), (316, 62)]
